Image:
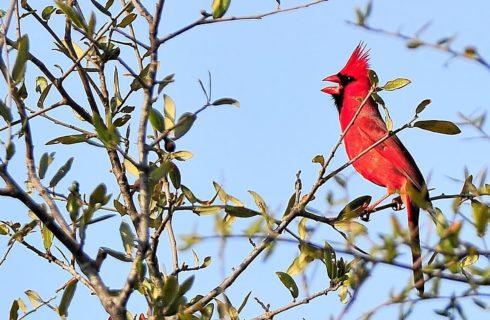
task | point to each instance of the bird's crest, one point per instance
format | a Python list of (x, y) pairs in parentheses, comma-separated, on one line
[(358, 61)]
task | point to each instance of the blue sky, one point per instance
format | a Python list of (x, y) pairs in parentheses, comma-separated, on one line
[(274, 68)]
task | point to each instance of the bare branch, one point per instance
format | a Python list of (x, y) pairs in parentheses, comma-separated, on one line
[(269, 315), (205, 19), (257, 250), (417, 42)]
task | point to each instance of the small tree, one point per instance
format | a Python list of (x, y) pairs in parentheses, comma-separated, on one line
[(98, 43)]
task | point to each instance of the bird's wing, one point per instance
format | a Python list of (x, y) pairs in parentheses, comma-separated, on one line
[(391, 149)]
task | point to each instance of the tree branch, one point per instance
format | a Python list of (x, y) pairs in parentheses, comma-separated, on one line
[(269, 315), (205, 19), (415, 42)]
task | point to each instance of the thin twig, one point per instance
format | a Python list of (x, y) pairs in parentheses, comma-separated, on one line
[(270, 314), (442, 47), (205, 19), (41, 304), (51, 258)]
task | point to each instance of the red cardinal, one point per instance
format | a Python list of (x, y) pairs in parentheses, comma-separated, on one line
[(388, 164)]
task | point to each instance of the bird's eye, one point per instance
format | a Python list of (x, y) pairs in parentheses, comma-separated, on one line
[(344, 80)]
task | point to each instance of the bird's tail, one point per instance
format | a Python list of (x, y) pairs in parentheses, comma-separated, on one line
[(413, 227)]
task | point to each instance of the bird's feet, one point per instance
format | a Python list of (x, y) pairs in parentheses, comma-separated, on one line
[(396, 204)]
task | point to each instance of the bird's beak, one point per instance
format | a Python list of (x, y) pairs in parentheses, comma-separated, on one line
[(333, 90)]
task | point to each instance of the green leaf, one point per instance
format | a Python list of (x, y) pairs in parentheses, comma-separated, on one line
[(127, 20), (205, 210), (414, 43), (101, 129), (22, 305), (189, 195), (19, 68), (319, 159), (120, 207), (99, 196), (127, 109), (330, 259), (424, 103), (298, 265), (289, 283), (47, 12), (182, 155), (73, 202), (244, 302), (34, 298), (14, 310), (67, 297), (259, 201), (184, 124), (352, 227), (354, 208), (481, 214), (127, 237), (46, 160), (388, 121), (25, 230), (292, 200), (61, 173), (23, 91), (75, 16), (169, 112), (156, 120), (377, 98), (131, 168), (186, 286), (114, 136), (41, 84), (469, 260), (373, 77), (161, 171), (219, 8), (4, 229), (174, 175), (117, 89), (167, 80), (196, 258), (228, 101), (108, 4), (302, 231), (91, 23), (47, 236), (170, 291), (10, 150), (369, 8), (439, 126), (396, 84), (121, 121), (206, 262), (5, 112), (43, 96), (240, 212), (142, 77), (223, 196), (71, 139)]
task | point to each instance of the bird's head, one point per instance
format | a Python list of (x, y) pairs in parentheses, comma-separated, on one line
[(353, 76)]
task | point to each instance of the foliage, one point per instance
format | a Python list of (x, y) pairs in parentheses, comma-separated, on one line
[(140, 143)]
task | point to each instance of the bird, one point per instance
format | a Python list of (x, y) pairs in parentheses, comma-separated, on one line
[(388, 164)]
